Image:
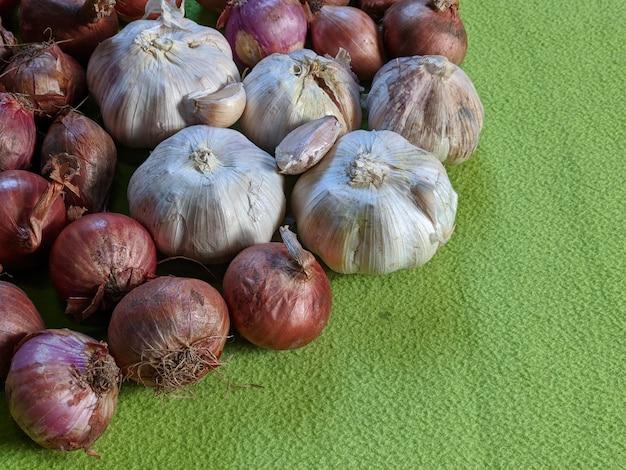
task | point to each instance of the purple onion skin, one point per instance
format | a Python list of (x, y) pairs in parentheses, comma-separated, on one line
[(258, 28), (62, 389)]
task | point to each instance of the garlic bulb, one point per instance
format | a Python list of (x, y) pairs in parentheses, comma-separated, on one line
[(284, 91), (374, 204), (206, 193), (144, 77), (431, 102)]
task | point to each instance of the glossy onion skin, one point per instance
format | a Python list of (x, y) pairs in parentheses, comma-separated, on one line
[(104, 250), (184, 316), (271, 301), (62, 389), (19, 192), (18, 317)]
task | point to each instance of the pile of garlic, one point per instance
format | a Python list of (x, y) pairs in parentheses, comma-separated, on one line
[(365, 201)]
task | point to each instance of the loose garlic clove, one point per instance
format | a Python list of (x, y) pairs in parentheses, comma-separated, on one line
[(306, 145), (221, 108), (431, 102), (374, 204)]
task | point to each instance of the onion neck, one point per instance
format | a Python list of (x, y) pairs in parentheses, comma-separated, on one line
[(303, 258), (365, 169), (93, 11), (443, 5), (205, 161)]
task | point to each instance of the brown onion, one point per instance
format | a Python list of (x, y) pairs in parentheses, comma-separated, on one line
[(169, 332), (345, 27), (18, 317), (77, 25), (31, 216), (62, 389), (131, 10), (97, 259), (425, 27), (8, 44), (278, 294), (51, 78), (81, 138), (18, 132)]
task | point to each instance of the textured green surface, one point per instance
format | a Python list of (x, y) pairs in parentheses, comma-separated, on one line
[(507, 350)]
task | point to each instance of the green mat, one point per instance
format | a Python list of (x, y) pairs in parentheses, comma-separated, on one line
[(507, 350)]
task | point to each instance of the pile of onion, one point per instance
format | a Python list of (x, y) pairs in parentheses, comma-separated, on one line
[(425, 27), (18, 317), (278, 294), (78, 26), (18, 132), (62, 389), (97, 259), (169, 332)]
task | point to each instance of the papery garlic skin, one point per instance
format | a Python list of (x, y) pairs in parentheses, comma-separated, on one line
[(283, 91), (374, 204), (206, 193), (141, 76), (431, 102)]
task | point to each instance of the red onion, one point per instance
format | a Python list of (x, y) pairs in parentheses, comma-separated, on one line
[(31, 216), (8, 43), (97, 259), (131, 10), (62, 389), (51, 78), (346, 27), (169, 332), (77, 25), (18, 132), (258, 28), (18, 317), (375, 8), (278, 295), (80, 138), (425, 27)]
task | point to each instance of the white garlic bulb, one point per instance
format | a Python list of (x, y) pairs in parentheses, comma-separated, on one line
[(284, 91), (206, 193), (374, 204), (431, 102), (143, 77)]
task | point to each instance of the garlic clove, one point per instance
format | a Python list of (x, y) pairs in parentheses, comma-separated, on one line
[(306, 145), (221, 108)]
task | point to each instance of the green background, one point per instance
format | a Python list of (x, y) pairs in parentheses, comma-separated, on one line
[(507, 350)]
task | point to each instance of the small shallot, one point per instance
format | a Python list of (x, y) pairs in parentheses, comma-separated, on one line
[(258, 28), (425, 27), (82, 139), (18, 317), (18, 132), (346, 27), (278, 294), (51, 78), (62, 389), (97, 259), (169, 332), (31, 215)]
